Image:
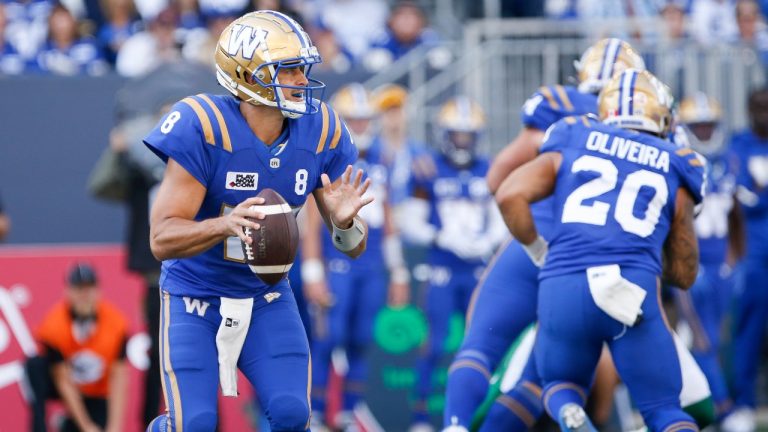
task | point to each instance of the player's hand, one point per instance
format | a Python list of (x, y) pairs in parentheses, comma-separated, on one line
[(344, 199), (399, 294), (236, 220), (318, 294)]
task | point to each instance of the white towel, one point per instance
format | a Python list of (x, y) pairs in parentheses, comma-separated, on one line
[(619, 298), (235, 320)]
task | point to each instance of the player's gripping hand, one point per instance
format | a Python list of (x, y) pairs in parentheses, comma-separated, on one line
[(344, 199), (244, 216)]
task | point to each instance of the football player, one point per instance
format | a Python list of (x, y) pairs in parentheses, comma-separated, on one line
[(453, 213), (622, 196), (752, 314), (718, 228), (504, 303), (348, 295), (220, 152)]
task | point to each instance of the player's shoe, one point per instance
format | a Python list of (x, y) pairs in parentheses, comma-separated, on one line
[(572, 418), (740, 420), (454, 427)]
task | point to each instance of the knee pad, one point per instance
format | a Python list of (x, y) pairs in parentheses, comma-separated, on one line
[(288, 413)]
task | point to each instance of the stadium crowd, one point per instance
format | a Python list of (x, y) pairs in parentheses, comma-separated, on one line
[(433, 205)]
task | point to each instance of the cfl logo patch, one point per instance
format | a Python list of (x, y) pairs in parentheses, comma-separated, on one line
[(242, 181), (231, 322)]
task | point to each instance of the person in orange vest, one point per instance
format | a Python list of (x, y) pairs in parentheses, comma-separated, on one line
[(82, 343)]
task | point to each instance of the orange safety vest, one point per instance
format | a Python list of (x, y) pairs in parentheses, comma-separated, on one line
[(91, 359)]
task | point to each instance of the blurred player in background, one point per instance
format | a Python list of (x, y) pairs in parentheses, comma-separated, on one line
[(600, 267), (504, 303), (751, 148), (347, 295), (220, 152), (82, 343), (720, 236), (454, 214)]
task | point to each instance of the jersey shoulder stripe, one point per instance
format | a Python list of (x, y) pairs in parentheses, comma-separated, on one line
[(330, 134), (202, 116), (563, 96), (226, 142)]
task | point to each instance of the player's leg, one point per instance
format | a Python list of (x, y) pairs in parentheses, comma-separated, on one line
[(517, 408), (331, 329), (275, 359), (568, 346), (653, 385), (189, 364), (749, 327), (439, 302), (502, 305), (700, 308), (371, 297)]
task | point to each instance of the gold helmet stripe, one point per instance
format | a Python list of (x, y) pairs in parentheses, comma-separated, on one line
[(204, 120), (564, 98), (548, 95), (337, 130), (226, 142), (324, 133)]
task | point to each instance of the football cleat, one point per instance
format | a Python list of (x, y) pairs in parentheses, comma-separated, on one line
[(572, 418), (251, 52), (637, 100)]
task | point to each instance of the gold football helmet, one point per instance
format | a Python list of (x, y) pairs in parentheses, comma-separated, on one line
[(637, 100), (459, 124), (354, 104), (252, 50), (389, 96), (604, 60), (701, 117)]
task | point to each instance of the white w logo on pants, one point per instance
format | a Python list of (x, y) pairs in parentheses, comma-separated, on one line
[(196, 306)]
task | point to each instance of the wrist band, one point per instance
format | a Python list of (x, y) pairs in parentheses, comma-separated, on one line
[(312, 271), (347, 239)]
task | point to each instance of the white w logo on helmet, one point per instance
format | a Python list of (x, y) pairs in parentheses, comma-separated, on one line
[(246, 38)]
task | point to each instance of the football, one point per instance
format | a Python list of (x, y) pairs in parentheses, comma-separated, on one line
[(274, 245)]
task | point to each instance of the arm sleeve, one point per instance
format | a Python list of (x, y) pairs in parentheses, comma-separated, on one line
[(179, 136)]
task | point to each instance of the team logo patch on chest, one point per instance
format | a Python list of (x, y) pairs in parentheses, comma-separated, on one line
[(242, 181)]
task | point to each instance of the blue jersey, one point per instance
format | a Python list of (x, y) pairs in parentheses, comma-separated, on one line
[(209, 137), (752, 153), (615, 195), (373, 214), (84, 57), (712, 220), (547, 106), (460, 206)]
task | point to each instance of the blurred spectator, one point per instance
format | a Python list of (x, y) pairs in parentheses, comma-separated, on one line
[(406, 29), (354, 23), (673, 14), (713, 21), (621, 9), (5, 222), (66, 53), (279, 6), (190, 17), (335, 57), (200, 44), (82, 342), (27, 26), (752, 29), (11, 62), (148, 49), (121, 24)]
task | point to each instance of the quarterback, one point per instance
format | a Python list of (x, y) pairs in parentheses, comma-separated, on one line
[(217, 316)]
